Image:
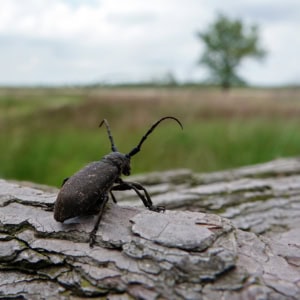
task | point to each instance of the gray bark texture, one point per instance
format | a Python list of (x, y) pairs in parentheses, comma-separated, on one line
[(224, 235)]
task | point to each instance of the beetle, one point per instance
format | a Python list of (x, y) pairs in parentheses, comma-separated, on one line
[(88, 190)]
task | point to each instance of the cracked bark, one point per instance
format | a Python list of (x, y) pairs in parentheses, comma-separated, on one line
[(224, 235)]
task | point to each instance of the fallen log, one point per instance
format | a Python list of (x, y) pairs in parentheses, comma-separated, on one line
[(224, 235)]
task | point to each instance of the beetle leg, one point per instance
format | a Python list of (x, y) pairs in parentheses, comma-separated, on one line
[(126, 185), (151, 206), (64, 181), (113, 197), (99, 217)]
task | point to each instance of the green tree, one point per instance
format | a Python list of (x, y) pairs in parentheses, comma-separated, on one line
[(227, 42)]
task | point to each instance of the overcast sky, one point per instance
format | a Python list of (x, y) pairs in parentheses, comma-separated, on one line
[(73, 41)]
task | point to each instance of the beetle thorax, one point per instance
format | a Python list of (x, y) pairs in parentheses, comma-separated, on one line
[(120, 160)]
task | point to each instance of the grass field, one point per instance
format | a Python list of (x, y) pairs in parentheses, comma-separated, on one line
[(48, 134)]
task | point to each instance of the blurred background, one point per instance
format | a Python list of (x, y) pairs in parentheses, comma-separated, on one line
[(230, 71)]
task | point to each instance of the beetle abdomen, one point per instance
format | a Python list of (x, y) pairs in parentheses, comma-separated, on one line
[(83, 193)]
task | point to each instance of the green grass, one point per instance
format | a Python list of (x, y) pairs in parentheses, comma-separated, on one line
[(50, 135)]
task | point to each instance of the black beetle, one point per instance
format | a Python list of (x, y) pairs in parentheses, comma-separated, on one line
[(86, 192)]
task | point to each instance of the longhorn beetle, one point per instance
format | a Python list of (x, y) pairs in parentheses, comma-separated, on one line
[(86, 192)]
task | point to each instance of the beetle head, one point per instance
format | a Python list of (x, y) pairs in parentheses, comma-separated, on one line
[(120, 160)]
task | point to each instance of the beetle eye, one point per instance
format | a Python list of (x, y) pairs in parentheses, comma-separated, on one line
[(126, 171)]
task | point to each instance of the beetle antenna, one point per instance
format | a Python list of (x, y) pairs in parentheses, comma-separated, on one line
[(136, 149), (113, 147)]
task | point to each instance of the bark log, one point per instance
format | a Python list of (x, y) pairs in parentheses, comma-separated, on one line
[(224, 235)]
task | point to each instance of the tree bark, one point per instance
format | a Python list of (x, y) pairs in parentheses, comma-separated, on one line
[(225, 235)]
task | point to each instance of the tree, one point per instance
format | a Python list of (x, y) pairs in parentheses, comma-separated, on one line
[(227, 43)]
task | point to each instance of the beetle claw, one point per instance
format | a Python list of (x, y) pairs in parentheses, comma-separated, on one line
[(92, 239), (158, 208)]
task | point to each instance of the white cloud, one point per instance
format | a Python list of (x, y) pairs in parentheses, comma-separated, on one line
[(64, 41)]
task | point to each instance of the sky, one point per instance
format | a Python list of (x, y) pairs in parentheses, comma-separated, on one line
[(62, 42)]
